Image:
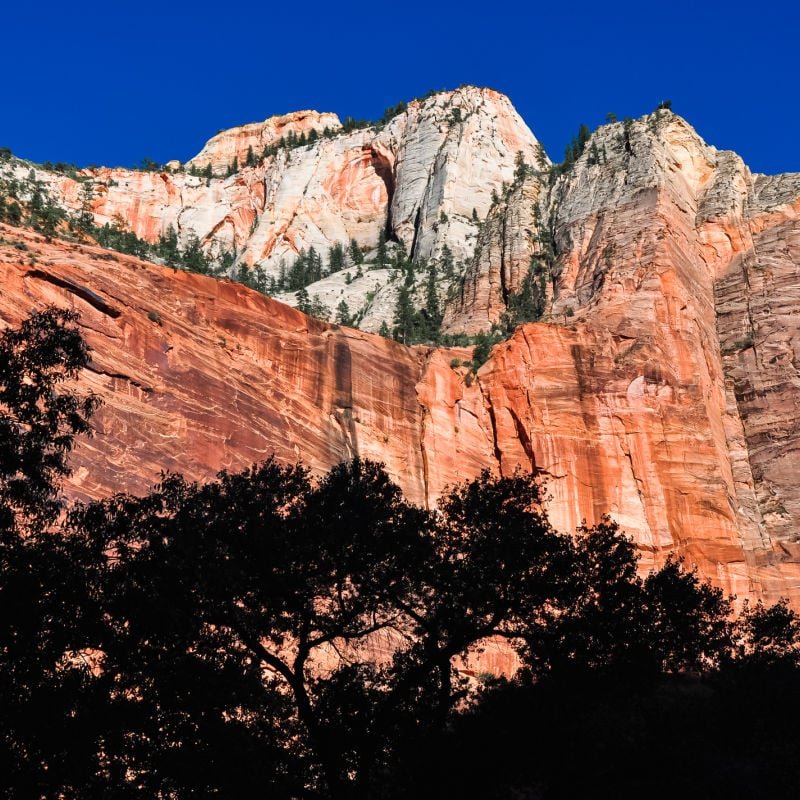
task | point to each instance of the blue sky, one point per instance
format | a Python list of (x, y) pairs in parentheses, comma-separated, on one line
[(111, 83)]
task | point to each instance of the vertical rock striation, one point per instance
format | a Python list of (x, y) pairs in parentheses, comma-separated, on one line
[(660, 386), (424, 178)]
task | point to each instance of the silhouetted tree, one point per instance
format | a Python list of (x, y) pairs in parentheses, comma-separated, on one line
[(47, 742), (225, 639)]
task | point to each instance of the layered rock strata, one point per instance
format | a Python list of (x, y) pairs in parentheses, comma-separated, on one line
[(660, 386), (199, 374), (425, 179)]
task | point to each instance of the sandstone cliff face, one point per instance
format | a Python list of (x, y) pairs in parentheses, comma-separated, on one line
[(673, 267), (234, 143), (509, 238), (661, 385), (419, 179), (199, 375)]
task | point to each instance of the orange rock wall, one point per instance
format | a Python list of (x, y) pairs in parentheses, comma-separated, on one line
[(199, 375)]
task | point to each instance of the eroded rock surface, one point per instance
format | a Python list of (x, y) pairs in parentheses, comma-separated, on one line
[(661, 385), (199, 374), (425, 178)]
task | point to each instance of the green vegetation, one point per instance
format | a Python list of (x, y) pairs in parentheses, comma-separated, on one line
[(411, 325), (168, 646), (336, 258), (528, 303), (625, 138), (382, 254), (306, 269), (293, 140), (27, 202), (343, 315), (573, 152)]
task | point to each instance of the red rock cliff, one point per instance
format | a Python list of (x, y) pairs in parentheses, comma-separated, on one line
[(199, 375)]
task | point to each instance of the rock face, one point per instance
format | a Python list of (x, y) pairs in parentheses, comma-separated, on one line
[(675, 269), (425, 179), (199, 374), (235, 143), (660, 386)]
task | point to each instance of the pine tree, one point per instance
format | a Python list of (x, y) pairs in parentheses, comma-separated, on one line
[(343, 314), (482, 350), (383, 256), (251, 157), (527, 304), (167, 247), (433, 314), (297, 277), (335, 258), (447, 262), (356, 255), (313, 266), (317, 308), (193, 257), (584, 134), (520, 167), (259, 279), (86, 217), (303, 301), (541, 156), (403, 316), (226, 261), (14, 214), (384, 330)]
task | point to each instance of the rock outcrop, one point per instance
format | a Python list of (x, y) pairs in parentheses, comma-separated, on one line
[(424, 178), (199, 374), (675, 267), (237, 143), (660, 386)]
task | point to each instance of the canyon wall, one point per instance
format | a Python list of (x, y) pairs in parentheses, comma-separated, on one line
[(199, 374), (425, 178), (660, 385)]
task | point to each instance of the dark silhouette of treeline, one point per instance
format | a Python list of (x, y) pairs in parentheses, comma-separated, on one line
[(224, 640)]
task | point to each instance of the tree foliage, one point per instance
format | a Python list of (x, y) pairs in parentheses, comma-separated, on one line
[(270, 633)]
